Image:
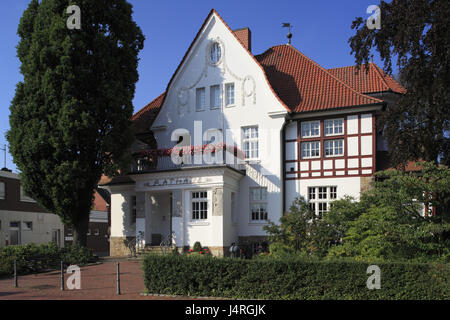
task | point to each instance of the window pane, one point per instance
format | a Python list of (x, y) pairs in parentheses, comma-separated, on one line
[(229, 88), (311, 193), (322, 192), (306, 129), (333, 192), (315, 128), (250, 142), (215, 96), (263, 194), (315, 149), (254, 132), (256, 194), (2, 190), (200, 98)]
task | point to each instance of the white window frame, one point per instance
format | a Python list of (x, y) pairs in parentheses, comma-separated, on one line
[(309, 143), (250, 140), (333, 127), (199, 200), (212, 97), (199, 102), (303, 125), (318, 198), (228, 96), (259, 202), (333, 148), (2, 190)]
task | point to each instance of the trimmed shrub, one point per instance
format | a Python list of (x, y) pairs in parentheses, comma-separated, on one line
[(197, 247), (291, 278), (34, 258)]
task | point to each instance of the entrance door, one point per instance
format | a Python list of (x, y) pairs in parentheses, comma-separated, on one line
[(14, 233)]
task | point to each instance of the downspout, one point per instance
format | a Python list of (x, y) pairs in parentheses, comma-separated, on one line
[(288, 120)]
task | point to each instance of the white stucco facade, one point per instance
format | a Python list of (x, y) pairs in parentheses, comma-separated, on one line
[(226, 97)]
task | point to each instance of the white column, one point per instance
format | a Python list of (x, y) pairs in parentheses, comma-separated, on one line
[(140, 215), (148, 215)]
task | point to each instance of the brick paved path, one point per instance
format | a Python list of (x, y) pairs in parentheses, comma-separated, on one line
[(98, 282)]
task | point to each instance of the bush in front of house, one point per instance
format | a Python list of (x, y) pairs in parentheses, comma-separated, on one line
[(291, 278), (34, 258), (197, 247)]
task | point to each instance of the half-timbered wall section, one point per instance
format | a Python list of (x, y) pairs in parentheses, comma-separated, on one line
[(333, 146)]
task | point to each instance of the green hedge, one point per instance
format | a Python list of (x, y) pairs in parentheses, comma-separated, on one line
[(34, 258), (291, 278)]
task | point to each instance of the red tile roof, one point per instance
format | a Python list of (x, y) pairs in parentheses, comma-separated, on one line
[(143, 119), (304, 85), (367, 81), (299, 83), (99, 203), (154, 105)]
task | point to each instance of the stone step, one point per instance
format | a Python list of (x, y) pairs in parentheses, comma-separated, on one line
[(153, 249)]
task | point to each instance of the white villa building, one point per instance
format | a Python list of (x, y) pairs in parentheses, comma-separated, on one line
[(298, 129)]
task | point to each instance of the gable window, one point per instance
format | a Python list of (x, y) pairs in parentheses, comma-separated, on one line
[(2, 191), (320, 198), (310, 149), (215, 99), (258, 204), (215, 53), (334, 147), (199, 202), (250, 143), (200, 99), (333, 127), (229, 94), (310, 129)]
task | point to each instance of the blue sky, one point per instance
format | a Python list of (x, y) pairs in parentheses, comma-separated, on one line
[(321, 31)]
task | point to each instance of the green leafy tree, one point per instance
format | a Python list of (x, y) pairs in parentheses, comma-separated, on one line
[(300, 231), (70, 117), (392, 223), (415, 33)]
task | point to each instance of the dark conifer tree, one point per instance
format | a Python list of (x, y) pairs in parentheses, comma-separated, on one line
[(70, 117)]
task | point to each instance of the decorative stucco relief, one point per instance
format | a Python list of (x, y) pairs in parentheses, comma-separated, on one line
[(217, 202), (248, 84)]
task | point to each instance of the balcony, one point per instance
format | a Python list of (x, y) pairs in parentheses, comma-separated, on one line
[(155, 160)]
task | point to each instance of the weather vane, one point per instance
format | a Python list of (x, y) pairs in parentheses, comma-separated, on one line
[(289, 35)]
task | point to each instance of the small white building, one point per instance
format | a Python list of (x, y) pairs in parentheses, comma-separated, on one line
[(283, 127), (22, 220)]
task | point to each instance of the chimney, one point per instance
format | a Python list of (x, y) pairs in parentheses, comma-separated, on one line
[(245, 35)]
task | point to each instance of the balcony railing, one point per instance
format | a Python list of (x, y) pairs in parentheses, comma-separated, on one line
[(187, 157)]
